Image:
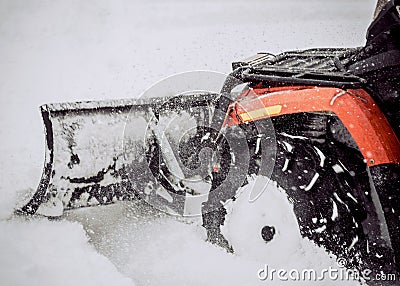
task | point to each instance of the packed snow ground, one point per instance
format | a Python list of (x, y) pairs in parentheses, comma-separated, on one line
[(53, 51)]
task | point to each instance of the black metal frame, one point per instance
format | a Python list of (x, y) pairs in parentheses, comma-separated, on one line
[(319, 67)]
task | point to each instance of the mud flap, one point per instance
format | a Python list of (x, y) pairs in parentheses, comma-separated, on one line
[(386, 183)]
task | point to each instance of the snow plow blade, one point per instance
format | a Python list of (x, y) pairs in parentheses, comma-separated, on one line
[(96, 151)]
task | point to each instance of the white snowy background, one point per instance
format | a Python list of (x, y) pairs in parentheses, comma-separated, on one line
[(54, 51)]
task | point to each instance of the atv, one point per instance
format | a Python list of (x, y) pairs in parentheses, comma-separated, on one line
[(323, 124)]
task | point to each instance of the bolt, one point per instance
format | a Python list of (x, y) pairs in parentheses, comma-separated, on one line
[(267, 233)]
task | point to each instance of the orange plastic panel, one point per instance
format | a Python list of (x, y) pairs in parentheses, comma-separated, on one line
[(355, 108)]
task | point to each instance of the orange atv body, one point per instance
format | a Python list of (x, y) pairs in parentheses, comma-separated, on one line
[(355, 108)]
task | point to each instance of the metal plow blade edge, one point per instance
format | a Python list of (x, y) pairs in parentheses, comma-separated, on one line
[(96, 151)]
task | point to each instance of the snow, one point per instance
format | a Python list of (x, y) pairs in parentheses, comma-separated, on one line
[(272, 208), (156, 249), (55, 51), (42, 252)]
